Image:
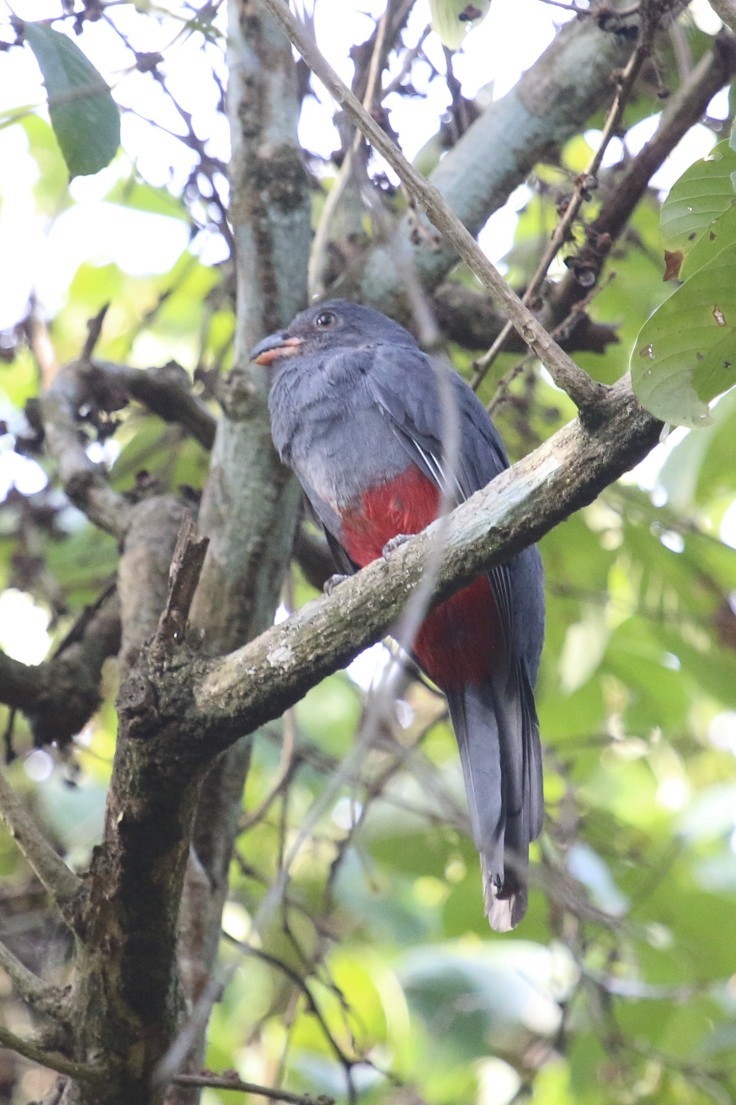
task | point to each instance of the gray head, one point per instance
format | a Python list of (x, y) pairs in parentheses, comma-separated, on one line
[(328, 325)]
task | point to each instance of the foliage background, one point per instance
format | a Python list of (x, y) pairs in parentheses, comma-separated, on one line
[(374, 973)]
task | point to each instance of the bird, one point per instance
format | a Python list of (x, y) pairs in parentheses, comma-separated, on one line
[(357, 413)]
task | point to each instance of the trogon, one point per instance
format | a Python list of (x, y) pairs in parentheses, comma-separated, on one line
[(356, 413)]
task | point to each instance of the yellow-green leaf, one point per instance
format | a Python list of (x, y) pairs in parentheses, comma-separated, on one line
[(701, 195), (452, 19)]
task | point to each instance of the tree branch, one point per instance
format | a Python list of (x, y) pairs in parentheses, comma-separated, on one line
[(232, 1082), (569, 82), (250, 501), (184, 573), (37, 1053), (469, 317), (83, 480), (584, 391), (143, 570), (61, 883), (59, 696), (29, 987), (648, 25), (107, 387), (222, 698), (20, 684), (725, 10), (165, 390), (685, 108)]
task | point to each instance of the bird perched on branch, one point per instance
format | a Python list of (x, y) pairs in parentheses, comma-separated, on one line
[(360, 414)]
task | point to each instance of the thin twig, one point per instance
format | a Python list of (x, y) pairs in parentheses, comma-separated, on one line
[(288, 765), (37, 1053), (60, 881), (348, 169), (585, 392), (504, 384), (568, 7), (685, 108), (94, 332), (345, 1061), (232, 1082), (562, 230), (410, 56)]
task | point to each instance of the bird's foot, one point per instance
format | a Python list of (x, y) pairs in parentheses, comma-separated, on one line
[(334, 581), (395, 543)]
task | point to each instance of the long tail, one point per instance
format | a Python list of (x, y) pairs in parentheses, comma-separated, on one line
[(498, 736)]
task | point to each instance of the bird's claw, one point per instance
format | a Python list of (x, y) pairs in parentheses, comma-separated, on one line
[(394, 543), (330, 584)]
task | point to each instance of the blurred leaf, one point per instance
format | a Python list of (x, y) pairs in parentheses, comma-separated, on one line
[(500, 993), (51, 189), (84, 562), (140, 196), (590, 869), (83, 114), (583, 650), (712, 460), (711, 814), (75, 814), (19, 380), (452, 19), (329, 714)]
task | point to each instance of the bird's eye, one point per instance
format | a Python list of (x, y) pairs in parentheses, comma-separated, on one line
[(325, 319)]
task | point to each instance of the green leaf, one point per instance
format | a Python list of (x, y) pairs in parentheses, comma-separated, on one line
[(452, 19), (701, 195), (140, 196), (51, 189), (83, 113), (720, 234), (685, 354)]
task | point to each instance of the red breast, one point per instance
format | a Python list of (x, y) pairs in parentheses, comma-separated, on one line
[(460, 639)]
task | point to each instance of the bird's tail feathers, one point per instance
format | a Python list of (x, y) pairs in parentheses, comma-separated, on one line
[(498, 738)]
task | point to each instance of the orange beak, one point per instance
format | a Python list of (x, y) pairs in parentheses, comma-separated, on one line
[(275, 348)]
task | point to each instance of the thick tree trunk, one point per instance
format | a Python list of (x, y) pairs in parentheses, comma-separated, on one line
[(249, 507)]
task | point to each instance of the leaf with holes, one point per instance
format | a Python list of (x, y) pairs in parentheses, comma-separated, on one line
[(702, 195), (719, 236), (452, 19), (685, 354), (83, 114)]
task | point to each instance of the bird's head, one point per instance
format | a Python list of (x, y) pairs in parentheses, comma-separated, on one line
[(327, 326)]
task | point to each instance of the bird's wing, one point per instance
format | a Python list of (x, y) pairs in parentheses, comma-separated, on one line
[(326, 517), (412, 396)]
